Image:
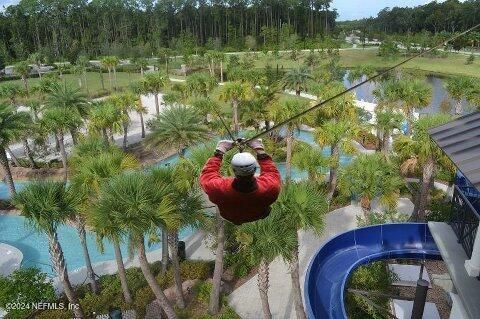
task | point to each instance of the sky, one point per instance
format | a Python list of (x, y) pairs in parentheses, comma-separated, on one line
[(357, 9), (347, 9)]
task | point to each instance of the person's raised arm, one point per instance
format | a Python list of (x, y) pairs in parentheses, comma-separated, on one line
[(269, 174), (210, 177)]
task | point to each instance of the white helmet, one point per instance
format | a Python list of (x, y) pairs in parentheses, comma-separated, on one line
[(244, 164)]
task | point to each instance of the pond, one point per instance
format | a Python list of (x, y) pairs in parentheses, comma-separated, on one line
[(439, 93)]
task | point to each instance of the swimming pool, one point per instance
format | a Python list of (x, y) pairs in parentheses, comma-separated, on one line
[(34, 246), (5, 194)]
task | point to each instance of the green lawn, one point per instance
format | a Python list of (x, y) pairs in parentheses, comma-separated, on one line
[(454, 64), (93, 81)]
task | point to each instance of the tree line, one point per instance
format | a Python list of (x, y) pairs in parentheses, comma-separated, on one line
[(436, 17), (66, 28)]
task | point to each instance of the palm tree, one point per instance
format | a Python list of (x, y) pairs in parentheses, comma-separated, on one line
[(110, 63), (11, 92), (133, 204), (212, 57), (142, 63), (256, 110), (178, 127), (458, 88), (343, 109), (340, 135), (58, 121), (296, 79), (188, 205), (236, 92), (138, 89), (83, 63), (124, 102), (310, 159), (387, 121), (23, 70), (104, 117), (37, 59), (200, 84), (206, 107), (70, 99), (300, 206), (46, 205), (154, 83), (371, 176), (89, 171), (420, 153), (285, 110), (165, 53), (35, 108), (311, 60), (46, 85), (12, 125), (263, 241), (414, 94)]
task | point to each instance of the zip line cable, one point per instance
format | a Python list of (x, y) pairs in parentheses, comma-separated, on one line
[(225, 125), (244, 141)]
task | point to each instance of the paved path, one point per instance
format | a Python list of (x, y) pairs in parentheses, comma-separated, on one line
[(10, 259), (246, 299)]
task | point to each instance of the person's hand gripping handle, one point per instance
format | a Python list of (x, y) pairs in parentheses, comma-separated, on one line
[(257, 145), (224, 146)]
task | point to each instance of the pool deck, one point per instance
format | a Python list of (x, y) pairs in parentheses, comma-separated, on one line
[(10, 259), (246, 299)]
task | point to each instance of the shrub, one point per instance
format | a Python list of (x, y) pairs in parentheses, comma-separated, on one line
[(191, 269), (183, 313), (238, 263), (135, 279), (470, 59), (368, 140), (110, 296), (377, 218), (371, 277), (228, 313), (143, 297), (202, 291), (26, 286), (156, 267), (54, 314), (165, 280)]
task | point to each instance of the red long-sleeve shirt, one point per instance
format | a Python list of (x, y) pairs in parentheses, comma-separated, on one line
[(238, 206)]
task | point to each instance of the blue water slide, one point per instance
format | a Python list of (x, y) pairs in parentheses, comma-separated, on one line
[(332, 265)]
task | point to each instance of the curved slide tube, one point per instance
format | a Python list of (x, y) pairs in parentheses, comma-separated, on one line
[(332, 265)]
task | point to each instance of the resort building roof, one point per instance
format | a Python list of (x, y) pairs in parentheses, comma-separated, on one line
[(460, 140)]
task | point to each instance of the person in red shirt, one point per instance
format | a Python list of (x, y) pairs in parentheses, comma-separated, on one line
[(243, 198)]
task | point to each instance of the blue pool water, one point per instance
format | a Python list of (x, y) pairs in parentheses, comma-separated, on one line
[(4, 194), (34, 245)]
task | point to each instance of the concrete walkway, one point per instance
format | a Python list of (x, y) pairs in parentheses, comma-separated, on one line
[(246, 299)]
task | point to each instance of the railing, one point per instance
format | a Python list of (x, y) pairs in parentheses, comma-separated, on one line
[(465, 219)]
